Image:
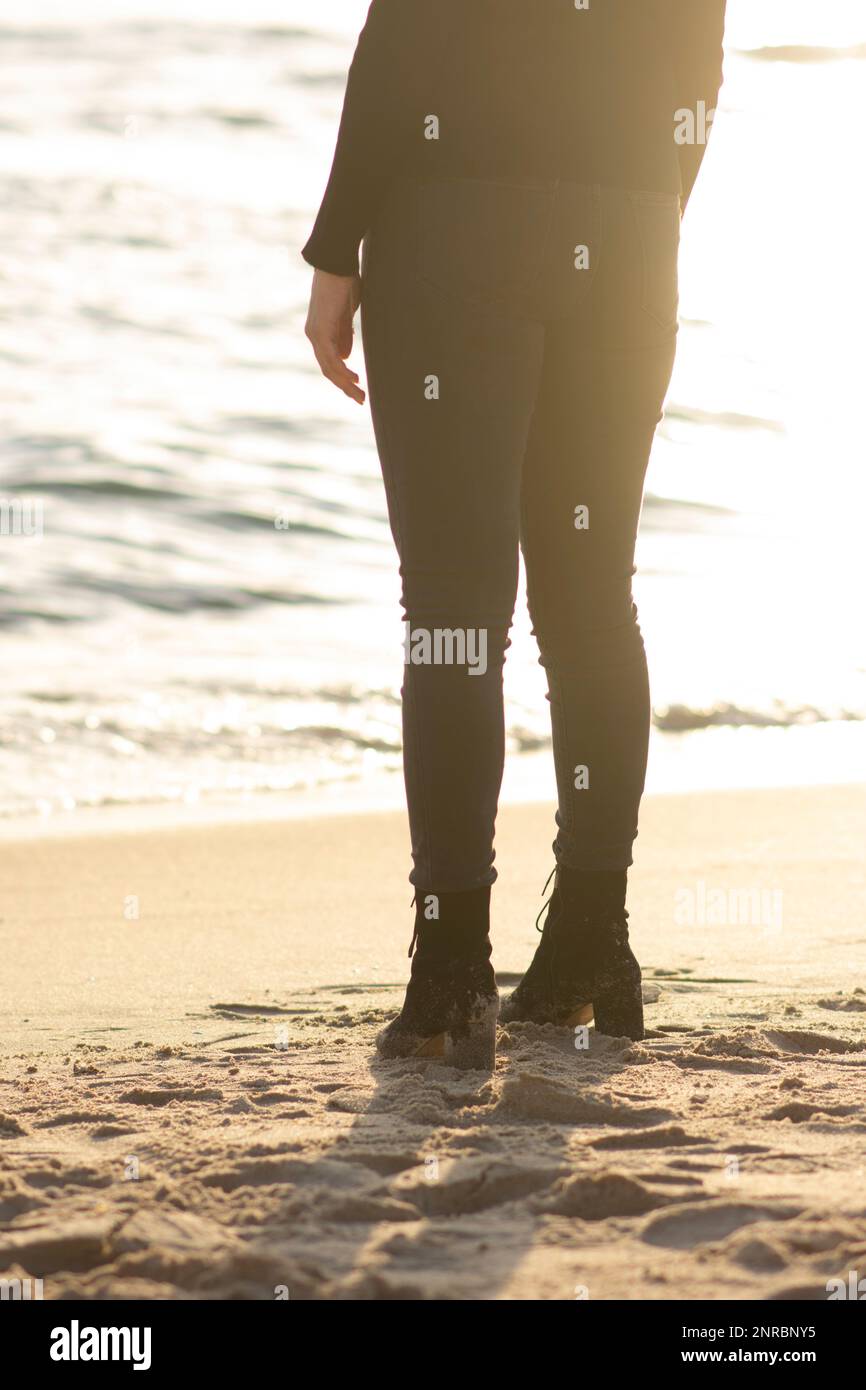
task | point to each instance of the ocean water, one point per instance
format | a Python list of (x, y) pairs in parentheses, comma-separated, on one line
[(198, 595)]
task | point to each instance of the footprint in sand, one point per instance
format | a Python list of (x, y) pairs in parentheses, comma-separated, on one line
[(471, 1185), (798, 1112), (595, 1197), (795, 1040), (667, 1137), (683, 1227), (846, 1003)]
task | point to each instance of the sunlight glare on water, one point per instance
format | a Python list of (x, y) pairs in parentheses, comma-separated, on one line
[(211, 612)]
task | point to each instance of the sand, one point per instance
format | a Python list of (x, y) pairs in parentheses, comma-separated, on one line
[(190, 1106)]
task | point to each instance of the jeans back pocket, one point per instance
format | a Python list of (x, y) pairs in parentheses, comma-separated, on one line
[(482, 242), (658, 223)]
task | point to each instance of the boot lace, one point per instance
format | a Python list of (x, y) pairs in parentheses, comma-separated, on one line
[(414, 929), (545, 907)]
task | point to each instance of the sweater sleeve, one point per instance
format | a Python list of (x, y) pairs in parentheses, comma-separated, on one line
[(373, 132), (697, 34)]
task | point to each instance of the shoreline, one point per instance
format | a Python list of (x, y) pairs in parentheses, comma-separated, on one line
[(122, 898), (696, 762)]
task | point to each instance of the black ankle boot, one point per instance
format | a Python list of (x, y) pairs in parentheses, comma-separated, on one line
[(451, 1000), (584, 966)]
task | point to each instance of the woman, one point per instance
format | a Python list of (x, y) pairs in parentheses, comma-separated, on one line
[(517, 172)]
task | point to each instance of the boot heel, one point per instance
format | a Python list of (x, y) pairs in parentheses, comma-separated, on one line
[(618, 1008), (475, 1049)]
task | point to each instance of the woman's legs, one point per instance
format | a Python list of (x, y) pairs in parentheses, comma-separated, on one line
[(452, 391), (515, 390), (452, 388), (606, 372), (514, 394)]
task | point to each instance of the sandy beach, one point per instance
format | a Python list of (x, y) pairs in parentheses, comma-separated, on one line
[(190, 1106)]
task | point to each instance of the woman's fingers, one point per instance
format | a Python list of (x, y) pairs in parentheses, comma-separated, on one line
[(335, 369)]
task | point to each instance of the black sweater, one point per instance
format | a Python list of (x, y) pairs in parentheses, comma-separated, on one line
[(534, 88)]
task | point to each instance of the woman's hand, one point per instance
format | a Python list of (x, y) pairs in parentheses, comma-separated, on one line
[(333, 301)]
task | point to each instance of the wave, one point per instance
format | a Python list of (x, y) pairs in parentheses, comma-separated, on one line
[(175, 600), (100, 487), (11, 618), (108, 39), (730, 419), (673, 718), (101, 753), (683, 504), (805, 53), (46, 35), (240, 120), (335, 80), (683, 718)]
